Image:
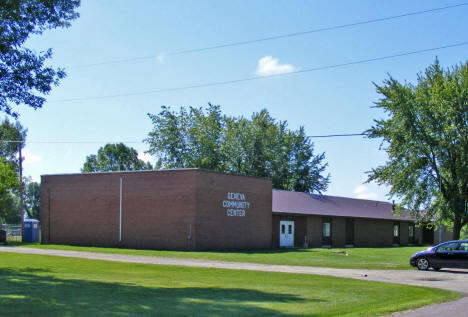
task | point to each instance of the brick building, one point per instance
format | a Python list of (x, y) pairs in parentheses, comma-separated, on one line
[(194, 209), (186, 209), (302, 219)]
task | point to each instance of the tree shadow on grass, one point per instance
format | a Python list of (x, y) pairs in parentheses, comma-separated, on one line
[(22, 292)]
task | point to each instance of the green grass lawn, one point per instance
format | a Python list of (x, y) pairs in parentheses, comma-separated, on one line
[(38, 285), (363, 258)]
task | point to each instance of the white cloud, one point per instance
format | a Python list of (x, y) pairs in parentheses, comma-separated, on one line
[(145, 157), (363, 192), (268, 65), (30, 158), (161, 58)]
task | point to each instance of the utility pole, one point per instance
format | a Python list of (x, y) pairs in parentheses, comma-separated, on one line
[(440, 230), (20, 160), (440, 213)]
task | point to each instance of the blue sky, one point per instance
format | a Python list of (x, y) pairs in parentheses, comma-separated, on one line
[(331, 101)]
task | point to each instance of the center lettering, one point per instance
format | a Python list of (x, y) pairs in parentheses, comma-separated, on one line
[(236, 204)]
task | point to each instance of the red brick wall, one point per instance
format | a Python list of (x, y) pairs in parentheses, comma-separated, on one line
[(338, 232), (159, 210), (314, 231), (373, 233), (79, 209), (275, 230), (217, 230), (300, 231), (404, 233)]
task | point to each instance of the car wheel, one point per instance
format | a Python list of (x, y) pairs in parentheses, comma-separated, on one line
[(423, 264)]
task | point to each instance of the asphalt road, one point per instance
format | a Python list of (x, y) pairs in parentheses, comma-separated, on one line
[(456, 280), (451, 309)]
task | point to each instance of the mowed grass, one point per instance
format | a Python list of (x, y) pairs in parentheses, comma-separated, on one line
[(357, 258), (38, 285)]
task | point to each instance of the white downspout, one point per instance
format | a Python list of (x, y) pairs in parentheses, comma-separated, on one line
[(120, 215)]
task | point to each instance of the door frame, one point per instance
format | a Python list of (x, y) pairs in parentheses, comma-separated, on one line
[(396, 239), (288, 224), (327, 241)]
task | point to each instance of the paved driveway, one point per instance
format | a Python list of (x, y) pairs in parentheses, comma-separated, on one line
[(456, 280), (451, 309)]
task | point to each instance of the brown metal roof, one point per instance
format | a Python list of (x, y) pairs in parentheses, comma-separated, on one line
[(286, 202)]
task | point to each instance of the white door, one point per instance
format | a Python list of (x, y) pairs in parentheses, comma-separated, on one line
[(286, 233)]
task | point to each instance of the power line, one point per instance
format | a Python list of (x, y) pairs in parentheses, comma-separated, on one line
[(141, 142), (338, 135), (227, 82), (68, 142), (271, 38)]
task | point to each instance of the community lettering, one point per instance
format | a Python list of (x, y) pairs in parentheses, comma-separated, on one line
[(236, 204)]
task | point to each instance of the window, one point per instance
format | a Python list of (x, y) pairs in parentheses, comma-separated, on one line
[(289, 229), (463, 246), (448, 247), (411, 231), (326, 229), (396, 230), (283, 229)]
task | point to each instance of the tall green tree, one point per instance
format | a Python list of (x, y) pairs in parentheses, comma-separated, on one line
[(32, 199), (9, 182), (8, 177), (425, 136), (9, 166), (24, 74), (191, 138), (10, 211), (259, 146), (10, 131), (114, 157)]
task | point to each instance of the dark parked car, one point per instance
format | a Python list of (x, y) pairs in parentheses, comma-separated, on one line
[(451, 254)]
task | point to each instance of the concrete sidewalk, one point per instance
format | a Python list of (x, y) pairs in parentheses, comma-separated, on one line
[(455, 280)]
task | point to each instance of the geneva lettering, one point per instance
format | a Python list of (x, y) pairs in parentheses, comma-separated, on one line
[(236, 204)]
